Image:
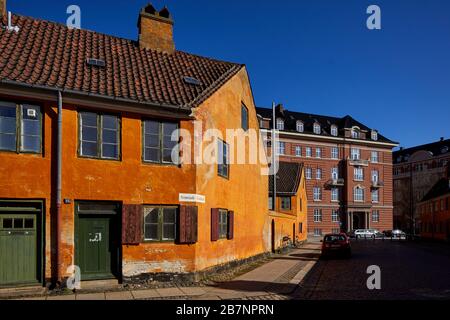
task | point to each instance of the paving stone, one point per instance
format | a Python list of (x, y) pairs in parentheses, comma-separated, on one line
[(193, 291), (62, 298), (170, 292), (91, 296), (145, 294), (121, 295)]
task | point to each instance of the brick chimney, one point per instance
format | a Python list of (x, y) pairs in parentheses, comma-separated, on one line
[(156, 29), (3, 11)]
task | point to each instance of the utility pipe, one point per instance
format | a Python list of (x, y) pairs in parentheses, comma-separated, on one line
[(59, 190)]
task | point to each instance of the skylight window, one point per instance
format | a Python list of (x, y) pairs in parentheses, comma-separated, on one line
[(192, 81), (96, 62)]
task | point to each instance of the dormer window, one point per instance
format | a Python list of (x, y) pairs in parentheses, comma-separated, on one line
[(355, 133), (300, 126), (317, 128), (374, 135), (334, 131), (280, 124)]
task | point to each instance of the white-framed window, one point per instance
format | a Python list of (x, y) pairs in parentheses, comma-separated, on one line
[(270, 203), (358, 174), (281, 148), (374, 135), (334, 194), (300, 126), (317, 193), (334, 153), (334, 131), (319, 174), (355, 133), (317, 215), (358, 194), (317, 232), (308, 152), (280, 124), (317, 128), (308, 173), (374, 156), (355, 154), (376, 216), (335, 173), (298, 151), (375, 176), (318, 153), (335, 216), (375, 196)]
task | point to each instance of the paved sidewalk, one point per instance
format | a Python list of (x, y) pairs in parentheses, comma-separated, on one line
[(276, 280)]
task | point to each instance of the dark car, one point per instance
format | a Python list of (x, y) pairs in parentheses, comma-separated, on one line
[(336, 245)]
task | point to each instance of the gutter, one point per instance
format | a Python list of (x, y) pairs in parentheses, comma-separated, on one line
[(176, 108), (59, 190)]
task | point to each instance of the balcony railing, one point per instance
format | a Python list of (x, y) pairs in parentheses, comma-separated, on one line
[(336, 182), (377, 184), (358, 162)]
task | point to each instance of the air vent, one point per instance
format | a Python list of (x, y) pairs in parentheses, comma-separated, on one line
[(96, 62), (193, 81)]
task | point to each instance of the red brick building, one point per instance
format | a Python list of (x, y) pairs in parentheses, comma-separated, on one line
[(348, 169), (416, 171), (434, 210)]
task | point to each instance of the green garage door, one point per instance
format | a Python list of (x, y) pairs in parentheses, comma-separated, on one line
[(18, 249)]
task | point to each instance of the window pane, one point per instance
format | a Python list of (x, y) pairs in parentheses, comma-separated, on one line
[(169, 128), (7, 110), (29, 223), (31, 127), (151, 215), (169, 215), (110, 122), (31, 144), (152, 140), (152, 154), (109, 136), (89, 149), (167, 156), (8, 142), (7, 125), (168, 231), (151, 232), (168, 143), (151, 127), (89, 119), (7, 223), (110, 151), (89, 134), (18, 223)]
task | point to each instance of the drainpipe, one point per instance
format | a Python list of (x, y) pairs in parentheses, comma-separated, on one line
[(274, 150), (59, 190)]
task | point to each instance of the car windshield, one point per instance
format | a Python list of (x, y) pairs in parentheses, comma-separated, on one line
[(334, 238)]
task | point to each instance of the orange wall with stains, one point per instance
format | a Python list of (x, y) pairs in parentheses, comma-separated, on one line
[(130, 181)]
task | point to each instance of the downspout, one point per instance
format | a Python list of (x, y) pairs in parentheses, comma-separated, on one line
[(59, 190)]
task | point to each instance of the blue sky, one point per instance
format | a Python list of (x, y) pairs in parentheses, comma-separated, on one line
[(313, 56)]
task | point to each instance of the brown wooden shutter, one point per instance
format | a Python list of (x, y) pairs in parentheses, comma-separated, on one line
[(230, 234), (188, 225), (132, 221), (214, 224)]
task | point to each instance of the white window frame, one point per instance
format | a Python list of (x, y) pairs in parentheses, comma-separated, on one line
[(308, 152), (374, 156), (319, 174), (375, 176), (319, 153), (335, 173), (335, 194), (298, 151), (355, 154), (317, 128), (376, 216), (281, 148), (280, 124), (318, 218), (334, 131), (300, 126), (355, 133), (317, 194), (335, 216), (374, 135), (308, 173), (358, 196), (335, 153), (358, 174), (375, 196)]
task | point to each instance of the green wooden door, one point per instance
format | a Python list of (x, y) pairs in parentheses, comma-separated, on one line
[(18, 249)]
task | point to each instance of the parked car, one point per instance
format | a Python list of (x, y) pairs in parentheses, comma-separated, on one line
[(337, 245), (396, 234), (366, 233)]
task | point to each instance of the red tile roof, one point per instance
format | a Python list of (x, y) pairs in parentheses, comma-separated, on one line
[(51, 55)]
